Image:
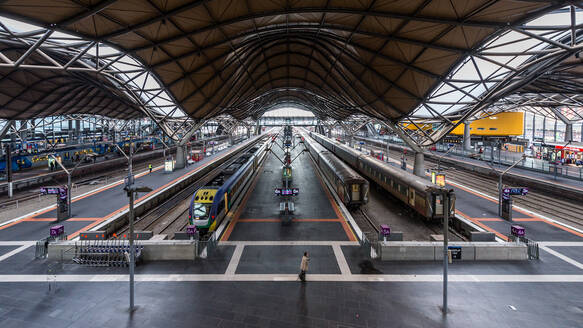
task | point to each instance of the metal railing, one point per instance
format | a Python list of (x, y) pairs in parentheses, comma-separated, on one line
[(533, 249), (204, 249), (42, 246), (507, 158)]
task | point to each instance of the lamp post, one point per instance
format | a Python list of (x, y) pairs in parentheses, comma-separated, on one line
[(69, 183), (440, 157), (445, 201), (500, 175), (131, 189)]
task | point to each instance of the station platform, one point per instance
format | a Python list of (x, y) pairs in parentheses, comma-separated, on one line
[(573, 183), (316, 217), (35, 177), (482, 210), (250, 280), (94, 207)]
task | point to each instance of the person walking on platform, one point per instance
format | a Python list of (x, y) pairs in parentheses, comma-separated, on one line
[(304, 267), (150, 167)]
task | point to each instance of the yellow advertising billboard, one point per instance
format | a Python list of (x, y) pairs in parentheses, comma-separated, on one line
[(503, 124)]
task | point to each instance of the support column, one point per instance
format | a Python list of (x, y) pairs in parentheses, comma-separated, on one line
[(467, 137), (248, 132), (568, 132), (180, 156), (77, 131), (257, 128), (419, 166), (9, 170)]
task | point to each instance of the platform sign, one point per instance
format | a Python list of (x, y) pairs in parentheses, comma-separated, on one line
[(517, 231), (456, 252), (440, 180), (169, 165), (433, 174), (60, 191), (287, 191), (514, 191)]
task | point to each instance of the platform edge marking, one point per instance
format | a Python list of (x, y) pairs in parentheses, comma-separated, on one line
[(339, 208), (417, 278), (562, 257), (235, 259), (341, 260), (15, 251)]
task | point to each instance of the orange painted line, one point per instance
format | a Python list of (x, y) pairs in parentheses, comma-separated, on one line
[(529, 219), (85, 228), (486, 219), (295, 220), (563, 228), (10, 224), (99, 220), (55, 219), (74, 200), (232, 224), (482, 225), (345, 225), (39, 219)]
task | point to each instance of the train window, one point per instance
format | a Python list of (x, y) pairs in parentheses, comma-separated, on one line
[(196, 198)]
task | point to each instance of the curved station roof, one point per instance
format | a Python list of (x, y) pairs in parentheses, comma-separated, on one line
[(27, 94), (384, 59)]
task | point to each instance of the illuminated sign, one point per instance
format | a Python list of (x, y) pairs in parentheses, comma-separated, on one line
[(515, 191), (287, 191), (440, 180), (569, 148)]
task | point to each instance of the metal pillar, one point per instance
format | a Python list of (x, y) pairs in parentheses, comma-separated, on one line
[(9, 170), (419, 165), (131, 219), (568, 132), (180, 156), (445, 247), (77, 131), (467, 137)]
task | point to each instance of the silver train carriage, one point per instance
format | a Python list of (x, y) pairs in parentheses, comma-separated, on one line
[(420, 195), (350, 186)]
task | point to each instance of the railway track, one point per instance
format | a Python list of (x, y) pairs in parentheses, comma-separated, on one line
[(368, 226), (32, 193), (541, 203), (170, 216), (536, 201)]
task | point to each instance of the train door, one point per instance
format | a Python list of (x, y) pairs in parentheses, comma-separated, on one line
[(340, 191), (355, 192), (438, 204), (412, 197)]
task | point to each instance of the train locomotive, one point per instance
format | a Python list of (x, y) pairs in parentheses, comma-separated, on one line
[(211, 203), (422, 196), (350, 186)]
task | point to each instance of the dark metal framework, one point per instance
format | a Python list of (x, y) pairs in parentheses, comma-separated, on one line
[(400, 63)]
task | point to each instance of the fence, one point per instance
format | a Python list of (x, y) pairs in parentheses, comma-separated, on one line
[(370, 248), (205, 249), (533, 251), (42, 246), (531, 164)]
